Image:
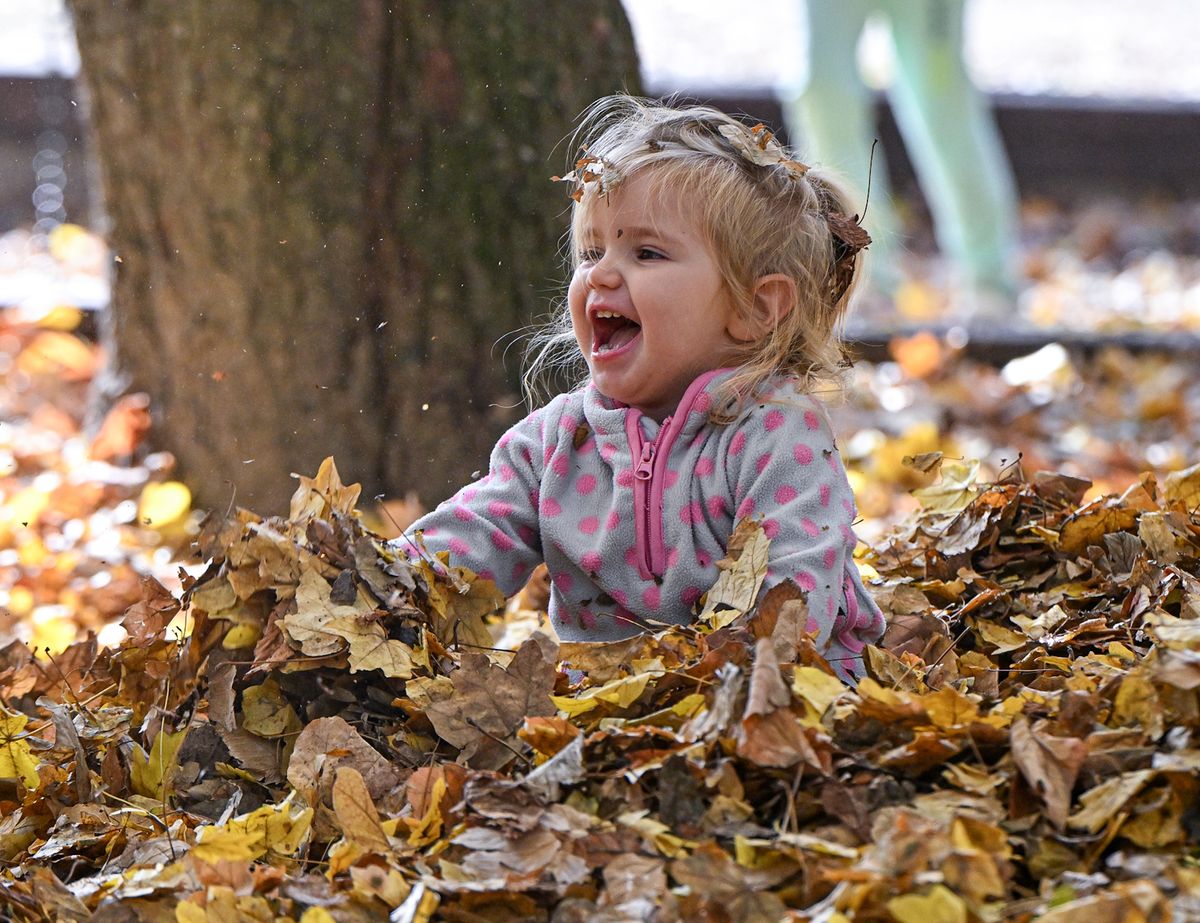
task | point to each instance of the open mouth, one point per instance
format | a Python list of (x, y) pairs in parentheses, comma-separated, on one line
[(612, 333)]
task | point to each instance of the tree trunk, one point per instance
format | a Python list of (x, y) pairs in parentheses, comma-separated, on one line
[(326, 216)]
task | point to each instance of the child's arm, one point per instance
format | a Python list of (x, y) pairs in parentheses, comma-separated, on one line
[(491, 525), (790, 475)]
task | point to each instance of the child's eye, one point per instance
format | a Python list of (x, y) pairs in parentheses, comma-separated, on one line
[(645, 253), (589, 256)]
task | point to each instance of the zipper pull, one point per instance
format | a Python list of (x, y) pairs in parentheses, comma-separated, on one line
[(644, 470)]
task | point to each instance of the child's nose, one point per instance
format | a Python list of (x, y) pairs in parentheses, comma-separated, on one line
[(604, 273)]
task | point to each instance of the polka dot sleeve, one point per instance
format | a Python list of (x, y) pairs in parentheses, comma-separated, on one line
[(791, 477), (491, 525)]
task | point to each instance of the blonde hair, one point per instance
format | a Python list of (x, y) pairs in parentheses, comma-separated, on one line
[(759, 217)]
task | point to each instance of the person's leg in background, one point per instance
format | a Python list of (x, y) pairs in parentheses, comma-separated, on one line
[(956, 151), (830, 115)]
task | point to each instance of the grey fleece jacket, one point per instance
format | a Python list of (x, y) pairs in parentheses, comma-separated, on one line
[(630, 516)]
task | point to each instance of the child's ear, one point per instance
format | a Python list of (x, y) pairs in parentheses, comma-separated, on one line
[(771, 299)]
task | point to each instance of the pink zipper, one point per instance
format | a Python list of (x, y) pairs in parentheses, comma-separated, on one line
[(649, 473)]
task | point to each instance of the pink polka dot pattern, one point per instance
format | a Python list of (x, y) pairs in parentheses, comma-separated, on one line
[(692, 513), (502, 542), (567, 497), (488, 575), (813, 627)]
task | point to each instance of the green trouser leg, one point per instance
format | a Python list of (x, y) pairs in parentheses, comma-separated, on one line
[(954, 145), (951, 138), (830, 116)]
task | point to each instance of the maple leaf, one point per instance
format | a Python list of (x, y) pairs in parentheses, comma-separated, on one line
[(491, 702), (16, 755)]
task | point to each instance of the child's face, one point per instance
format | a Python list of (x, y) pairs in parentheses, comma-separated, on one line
[(643, 257)]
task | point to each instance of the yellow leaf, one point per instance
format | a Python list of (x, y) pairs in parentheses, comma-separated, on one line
[(149, 772), (736, 589), (355, 811), (1183, 486), (187, 912), (317, 915), (956, 489), (164, 504), (816, 687), (429, 828), (371, 649), (323, 495), (16, 756), (279, 829), (267, 711), (241, 636), (949, 708), (308, 626), (940, 905), (657, 833)]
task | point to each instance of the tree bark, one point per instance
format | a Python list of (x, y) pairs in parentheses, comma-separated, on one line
[(326, 216)]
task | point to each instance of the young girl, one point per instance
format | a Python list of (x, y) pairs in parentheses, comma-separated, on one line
[(710, 271)]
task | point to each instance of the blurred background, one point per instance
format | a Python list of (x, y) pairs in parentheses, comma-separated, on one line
[(1074, 351)]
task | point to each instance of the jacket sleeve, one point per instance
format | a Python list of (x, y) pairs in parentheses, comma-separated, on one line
[(491, 525), (788, 473)]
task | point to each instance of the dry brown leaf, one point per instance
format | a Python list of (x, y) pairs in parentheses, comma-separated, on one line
[(355, 811)]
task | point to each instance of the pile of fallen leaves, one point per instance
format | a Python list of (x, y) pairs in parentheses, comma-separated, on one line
[(320, 729)]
